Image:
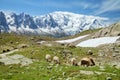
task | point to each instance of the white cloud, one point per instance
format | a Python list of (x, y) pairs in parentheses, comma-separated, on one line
[(59, 4), (85, 5), (108, 5), (48, 3)]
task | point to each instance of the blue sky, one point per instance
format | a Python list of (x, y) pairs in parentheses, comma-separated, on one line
[(103, 8)]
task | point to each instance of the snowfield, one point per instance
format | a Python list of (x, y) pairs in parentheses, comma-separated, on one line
[(71, 40), (97, 41)]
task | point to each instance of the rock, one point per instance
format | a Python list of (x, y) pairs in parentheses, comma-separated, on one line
[(64, 73), (22, 45), (16, 59), (108, 78), (10, 67), (11, 42), (117, 51), (116, 54), (4, 51), (8, 50), (2, 63), (49, 67)]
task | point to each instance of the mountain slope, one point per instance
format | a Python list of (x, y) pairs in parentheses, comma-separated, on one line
[(56, 24), (112, 30)]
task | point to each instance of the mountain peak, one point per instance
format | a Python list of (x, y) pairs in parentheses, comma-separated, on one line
[(56, 24)]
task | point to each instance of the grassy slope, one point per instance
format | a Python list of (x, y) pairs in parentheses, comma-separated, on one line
[(40, 70)]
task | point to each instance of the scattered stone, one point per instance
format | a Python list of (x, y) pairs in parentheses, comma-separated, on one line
[(108, 78), (49, 67), (11, 42), (32, 52), (116, 54), (68, 78), (86, 72), (10, 67), (49, 45), (4, 51), (8, 50), (17, 42), (2, 63), (64, 73), (22, 45), (117, 51)]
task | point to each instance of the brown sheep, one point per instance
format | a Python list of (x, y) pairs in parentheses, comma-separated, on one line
[(87, 61)]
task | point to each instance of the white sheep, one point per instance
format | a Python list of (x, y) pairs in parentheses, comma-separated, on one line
[(48, 57), (89, 52), (73, 61), (56, 59)]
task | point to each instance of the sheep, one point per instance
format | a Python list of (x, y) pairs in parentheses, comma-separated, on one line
[(48, 57), (89, 52), (87, 61), (73, 61), (56, 59)]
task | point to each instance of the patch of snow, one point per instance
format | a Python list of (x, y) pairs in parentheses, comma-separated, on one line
[(71, 40), (97, 41)]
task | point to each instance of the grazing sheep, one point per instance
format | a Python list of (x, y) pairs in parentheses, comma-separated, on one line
[(56, 60), (87, 61), (73, 61), (48, 57), (89, 52)]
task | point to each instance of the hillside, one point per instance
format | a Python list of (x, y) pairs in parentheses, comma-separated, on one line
[(113, 30), (22, 57)]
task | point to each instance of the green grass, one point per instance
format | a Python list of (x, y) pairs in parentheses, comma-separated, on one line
[(42, 70)]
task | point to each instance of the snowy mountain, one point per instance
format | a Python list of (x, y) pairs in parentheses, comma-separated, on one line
[(56, 24)]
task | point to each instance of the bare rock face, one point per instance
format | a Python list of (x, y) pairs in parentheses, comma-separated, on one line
[(113, 30)]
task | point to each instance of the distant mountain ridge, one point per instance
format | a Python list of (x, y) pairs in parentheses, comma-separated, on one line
[(56, 24)]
